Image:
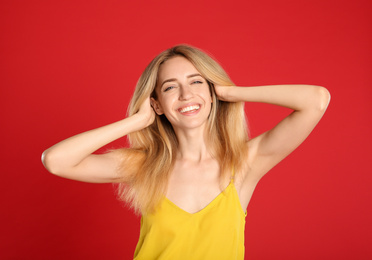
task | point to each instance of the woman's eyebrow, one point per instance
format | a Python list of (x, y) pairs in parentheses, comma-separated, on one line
[(194, 75), (168, 80), (174, 79)]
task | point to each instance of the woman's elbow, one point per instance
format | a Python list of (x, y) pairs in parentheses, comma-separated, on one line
[(49, 161), (323, 98)]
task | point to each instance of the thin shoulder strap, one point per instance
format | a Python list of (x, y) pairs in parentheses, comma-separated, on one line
[(232, 174)]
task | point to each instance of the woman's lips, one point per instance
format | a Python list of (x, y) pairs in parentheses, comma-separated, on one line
[(189, 109)]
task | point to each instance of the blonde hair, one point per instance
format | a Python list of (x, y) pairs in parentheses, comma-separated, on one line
[(148, 162)]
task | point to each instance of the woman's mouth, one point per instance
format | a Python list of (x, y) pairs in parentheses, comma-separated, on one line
[(189, 109)]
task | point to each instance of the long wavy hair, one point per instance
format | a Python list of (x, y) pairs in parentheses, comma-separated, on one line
[(147, 163)]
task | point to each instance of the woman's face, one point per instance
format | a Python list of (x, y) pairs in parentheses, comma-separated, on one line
[(183, 95)]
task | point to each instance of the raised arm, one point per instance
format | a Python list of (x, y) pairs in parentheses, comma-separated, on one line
[(266, 150), (73, 159)]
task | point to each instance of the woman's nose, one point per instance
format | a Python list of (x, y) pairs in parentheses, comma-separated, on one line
[(185, 93)]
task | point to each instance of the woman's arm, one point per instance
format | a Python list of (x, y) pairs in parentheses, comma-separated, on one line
[(73, 159), (266, 150)]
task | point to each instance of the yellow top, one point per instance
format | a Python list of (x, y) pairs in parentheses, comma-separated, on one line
[(215, 232)]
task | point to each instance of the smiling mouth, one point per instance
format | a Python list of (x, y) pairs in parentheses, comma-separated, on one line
[(189, 109)]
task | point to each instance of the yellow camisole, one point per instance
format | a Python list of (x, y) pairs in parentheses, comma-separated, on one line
[(215, 232)]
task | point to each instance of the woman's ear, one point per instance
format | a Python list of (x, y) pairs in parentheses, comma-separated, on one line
[(156, 106)]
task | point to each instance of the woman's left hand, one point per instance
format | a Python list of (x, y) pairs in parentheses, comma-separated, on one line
[(221, 92), (225, 93)]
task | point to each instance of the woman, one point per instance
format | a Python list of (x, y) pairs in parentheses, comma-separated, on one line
[(191, 169)]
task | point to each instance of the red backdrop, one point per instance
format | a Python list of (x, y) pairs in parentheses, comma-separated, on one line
[(69, 66)]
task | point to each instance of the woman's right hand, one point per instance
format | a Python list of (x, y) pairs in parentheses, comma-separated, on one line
[(146, 113)]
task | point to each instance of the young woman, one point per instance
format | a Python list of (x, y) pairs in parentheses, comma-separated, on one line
[(190, 169)]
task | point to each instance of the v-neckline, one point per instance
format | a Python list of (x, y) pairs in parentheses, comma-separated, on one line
[(210, 204)]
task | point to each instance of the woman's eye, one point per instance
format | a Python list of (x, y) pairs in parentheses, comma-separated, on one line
[(197, 82), (168, 88)]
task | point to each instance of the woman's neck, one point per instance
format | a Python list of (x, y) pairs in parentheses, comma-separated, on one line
[(192, 144)]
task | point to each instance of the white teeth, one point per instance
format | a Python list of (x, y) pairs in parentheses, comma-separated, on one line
[(190, 108)]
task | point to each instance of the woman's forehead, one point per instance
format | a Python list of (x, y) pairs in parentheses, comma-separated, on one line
[(176, 67)]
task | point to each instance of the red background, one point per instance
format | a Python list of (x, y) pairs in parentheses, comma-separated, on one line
[(69, 66)]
